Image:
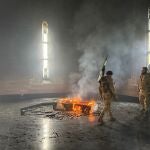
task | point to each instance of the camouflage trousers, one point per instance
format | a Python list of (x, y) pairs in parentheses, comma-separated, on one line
[(107, 105), (144, 100)]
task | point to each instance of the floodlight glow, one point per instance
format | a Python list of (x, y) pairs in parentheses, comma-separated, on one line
[(45, 38), (45, 64), (148, 52), (45, 49)]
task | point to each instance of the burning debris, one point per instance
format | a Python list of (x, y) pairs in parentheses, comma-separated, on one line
[(77, 105), (64, 108)]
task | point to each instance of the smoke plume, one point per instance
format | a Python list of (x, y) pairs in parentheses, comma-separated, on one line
[(102, 29)]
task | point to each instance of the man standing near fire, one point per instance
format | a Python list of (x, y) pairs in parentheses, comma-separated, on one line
[(144, 90), (107, 93)]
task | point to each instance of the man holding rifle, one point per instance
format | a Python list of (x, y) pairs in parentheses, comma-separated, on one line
[(107, 93)]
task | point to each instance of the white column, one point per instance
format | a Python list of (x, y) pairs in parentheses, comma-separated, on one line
[(45, 49), (148, 52)]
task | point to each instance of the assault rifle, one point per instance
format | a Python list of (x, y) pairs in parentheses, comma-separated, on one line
[(102, 70)]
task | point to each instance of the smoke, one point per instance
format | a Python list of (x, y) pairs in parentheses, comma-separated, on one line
[(102, 29)]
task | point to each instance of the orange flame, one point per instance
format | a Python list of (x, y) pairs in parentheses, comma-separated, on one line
[(78, 104)]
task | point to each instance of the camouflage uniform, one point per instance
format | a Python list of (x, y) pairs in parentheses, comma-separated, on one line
[(107, 92), (111, 85), (144, 90), (141, 92)]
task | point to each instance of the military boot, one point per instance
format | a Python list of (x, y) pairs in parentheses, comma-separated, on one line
[(100, 120), (112, 119)]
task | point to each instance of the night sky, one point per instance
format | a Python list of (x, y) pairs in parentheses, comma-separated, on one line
[(76, 28)]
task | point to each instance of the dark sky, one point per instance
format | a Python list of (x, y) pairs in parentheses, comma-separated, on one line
[(70, 22)]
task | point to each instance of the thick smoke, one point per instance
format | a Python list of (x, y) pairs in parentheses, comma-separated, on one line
[(102, 30)]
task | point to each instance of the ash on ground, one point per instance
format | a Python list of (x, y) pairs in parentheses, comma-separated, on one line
[(56, 111)]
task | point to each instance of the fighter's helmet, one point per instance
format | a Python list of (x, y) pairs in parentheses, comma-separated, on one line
[(144, 68), (109, 72)]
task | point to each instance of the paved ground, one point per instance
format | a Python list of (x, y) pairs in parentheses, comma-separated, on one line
[(131, 131)]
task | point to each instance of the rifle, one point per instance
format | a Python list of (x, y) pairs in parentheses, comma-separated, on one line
[(102, 70)]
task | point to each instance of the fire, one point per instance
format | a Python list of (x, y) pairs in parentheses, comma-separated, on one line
[(78, 105)]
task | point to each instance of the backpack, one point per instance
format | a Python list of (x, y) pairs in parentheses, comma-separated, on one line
[(104, 84)]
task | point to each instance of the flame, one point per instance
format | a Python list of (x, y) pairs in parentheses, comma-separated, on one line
[(78, 104), (91, 118)]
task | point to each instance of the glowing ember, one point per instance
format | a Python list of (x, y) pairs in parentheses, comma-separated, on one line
[(78, 105)]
